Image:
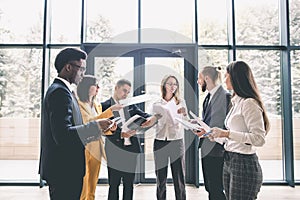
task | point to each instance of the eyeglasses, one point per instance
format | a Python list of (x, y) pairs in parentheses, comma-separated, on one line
[(81, 68), (172, 84)]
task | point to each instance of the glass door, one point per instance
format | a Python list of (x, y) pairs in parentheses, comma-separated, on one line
[(155, 70), (145, 68), (157, 64), (109, 70)]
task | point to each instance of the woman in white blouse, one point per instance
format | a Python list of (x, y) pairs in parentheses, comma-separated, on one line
[(169, 143), (247, 125)]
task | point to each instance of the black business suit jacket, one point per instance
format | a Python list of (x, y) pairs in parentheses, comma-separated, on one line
[(214, 116), (63, 135)]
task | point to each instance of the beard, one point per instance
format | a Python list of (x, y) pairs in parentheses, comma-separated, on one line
[(204, 86)]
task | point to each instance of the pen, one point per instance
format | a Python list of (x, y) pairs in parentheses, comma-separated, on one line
[(207, 133)]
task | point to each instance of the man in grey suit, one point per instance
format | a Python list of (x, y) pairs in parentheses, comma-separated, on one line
[(63, 134), (215, 109)]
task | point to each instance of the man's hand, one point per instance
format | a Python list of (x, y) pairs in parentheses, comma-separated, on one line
[(151, 121), (114, 127), (199, 132), (128, 134), (105, 124)]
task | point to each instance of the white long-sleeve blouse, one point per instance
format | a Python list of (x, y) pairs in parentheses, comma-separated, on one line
[(167, 128), (246, 125)]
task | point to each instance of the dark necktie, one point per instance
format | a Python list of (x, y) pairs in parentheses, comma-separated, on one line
[(117, 114), (205, 102)]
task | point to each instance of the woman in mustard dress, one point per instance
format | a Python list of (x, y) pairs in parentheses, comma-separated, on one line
[(87, 90)]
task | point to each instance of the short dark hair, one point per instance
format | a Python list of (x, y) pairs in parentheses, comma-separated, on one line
[(122, 82), (84, 85), (67, 55)]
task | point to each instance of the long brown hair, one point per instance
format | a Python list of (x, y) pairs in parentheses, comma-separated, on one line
[(164, 91), (83, 87), (244, 85)]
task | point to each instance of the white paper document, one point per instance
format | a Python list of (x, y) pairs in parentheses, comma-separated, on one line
[(136, 99), (169, 111), (188, 125), (201, 123)]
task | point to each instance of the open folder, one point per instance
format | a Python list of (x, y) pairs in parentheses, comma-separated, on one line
[(134, 123)]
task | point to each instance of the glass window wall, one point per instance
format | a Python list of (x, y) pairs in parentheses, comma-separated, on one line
[(111, 21), (257, 22), (20, 99), (265, 66), (22, 52), (212, 22), (20, 24), (295, 62), (172, 15)]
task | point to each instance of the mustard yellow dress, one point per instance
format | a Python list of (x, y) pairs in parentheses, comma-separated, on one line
[(94, 151)]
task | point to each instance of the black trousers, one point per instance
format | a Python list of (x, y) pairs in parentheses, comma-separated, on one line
[(163, 152), (121, 166), (212, 169), (65, 189), (114, 180)]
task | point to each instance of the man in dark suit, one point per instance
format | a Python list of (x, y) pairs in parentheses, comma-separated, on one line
[(63, 134), (122, 148), (215, 109)]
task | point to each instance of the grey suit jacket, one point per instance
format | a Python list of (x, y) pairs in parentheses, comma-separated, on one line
[(214, 116)]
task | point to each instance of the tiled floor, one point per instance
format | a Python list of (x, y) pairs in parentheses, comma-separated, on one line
[(145, 192)]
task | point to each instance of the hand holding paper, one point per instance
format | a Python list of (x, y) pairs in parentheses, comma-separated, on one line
[(219, 133), (168, 111), (151, 121), (135, 123), (200, 132), (188, 125), (115, 121), (206, 130), (128, 134)]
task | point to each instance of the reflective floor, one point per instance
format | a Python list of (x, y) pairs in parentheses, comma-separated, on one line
[(145, 192), (27, 170)]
